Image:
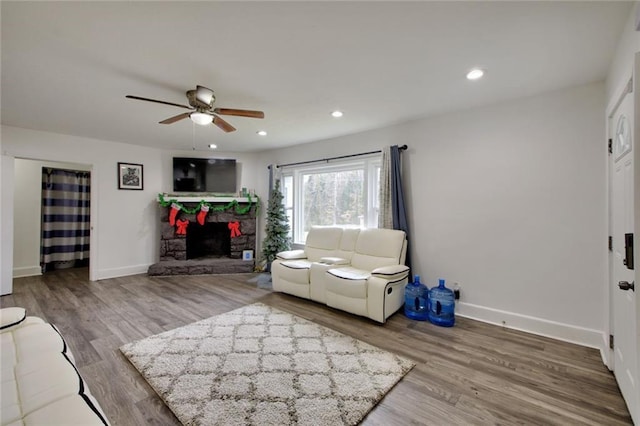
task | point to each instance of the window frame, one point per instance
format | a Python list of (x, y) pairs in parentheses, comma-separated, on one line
[(369, 164)]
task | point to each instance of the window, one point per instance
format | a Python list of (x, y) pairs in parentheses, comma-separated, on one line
[(337, 194)]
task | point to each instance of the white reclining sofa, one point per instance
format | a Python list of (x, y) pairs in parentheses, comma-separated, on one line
[(360, 271), (40, 384)]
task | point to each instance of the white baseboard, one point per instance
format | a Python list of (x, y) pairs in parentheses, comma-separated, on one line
[(104, 274), (27, 271), (555, 330)]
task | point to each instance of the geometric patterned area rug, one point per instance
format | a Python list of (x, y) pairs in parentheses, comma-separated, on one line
[(260, 366)]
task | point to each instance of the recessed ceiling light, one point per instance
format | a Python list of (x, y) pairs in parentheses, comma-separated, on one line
[(213, 146), (336, 114), (475, 74), (262, 132)]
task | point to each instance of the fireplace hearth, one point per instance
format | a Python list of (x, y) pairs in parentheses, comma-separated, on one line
[(206, 248)]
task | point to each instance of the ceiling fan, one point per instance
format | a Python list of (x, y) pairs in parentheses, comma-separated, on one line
[(202, 112)]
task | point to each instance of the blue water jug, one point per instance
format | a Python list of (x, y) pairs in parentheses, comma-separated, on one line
[(415, 300), (442, 304)]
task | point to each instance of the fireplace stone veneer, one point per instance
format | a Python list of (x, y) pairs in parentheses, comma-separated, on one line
[(173, 246)]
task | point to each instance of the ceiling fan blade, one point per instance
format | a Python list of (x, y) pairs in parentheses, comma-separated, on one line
[(158, 102), (204, 95), (239, 112), (223, 124), (176, 118)]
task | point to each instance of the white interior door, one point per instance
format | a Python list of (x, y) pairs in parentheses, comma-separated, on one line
[(622, 291)]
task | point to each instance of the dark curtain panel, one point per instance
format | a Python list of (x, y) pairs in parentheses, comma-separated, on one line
[(270, 167), (398, 208), (65, 216)]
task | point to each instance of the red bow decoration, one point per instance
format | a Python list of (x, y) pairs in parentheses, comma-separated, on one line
[(182, 226), (235, 229)]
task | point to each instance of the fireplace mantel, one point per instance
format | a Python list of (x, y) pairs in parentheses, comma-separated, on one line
[(208, 198)]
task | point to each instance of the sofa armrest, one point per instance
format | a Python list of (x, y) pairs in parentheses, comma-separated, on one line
[(391, 273), (334, 261), (11, 317), (291, 254)]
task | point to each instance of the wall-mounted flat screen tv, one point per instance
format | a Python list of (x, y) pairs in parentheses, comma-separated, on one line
[(204, 175)]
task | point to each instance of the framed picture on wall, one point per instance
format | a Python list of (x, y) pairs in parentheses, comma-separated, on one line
[(130, 176)]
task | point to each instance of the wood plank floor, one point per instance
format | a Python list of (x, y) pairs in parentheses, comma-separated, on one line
[(473, 373)]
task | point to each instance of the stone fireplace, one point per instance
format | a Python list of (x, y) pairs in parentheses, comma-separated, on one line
[(207, 248)]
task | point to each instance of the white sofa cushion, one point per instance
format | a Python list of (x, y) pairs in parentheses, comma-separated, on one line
[(39, 382), (73, 410), (348, 282), (11, 410), (348, 243), (332, 260), (34, 340), (322, 242), (378, 247), (46, 379), (317, 281), (291, 276)]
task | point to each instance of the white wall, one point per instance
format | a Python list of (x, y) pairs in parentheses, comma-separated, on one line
[(27, 209), (125, 234), (123, 222), (622, 64), (509, 201)]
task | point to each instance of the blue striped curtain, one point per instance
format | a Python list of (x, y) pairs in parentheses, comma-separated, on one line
[(65, 215)]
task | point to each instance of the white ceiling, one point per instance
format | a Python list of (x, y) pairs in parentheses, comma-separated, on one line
[(67, 66)]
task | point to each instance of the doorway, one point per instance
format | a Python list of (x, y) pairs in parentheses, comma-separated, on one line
[(66, 202), (27, 217)]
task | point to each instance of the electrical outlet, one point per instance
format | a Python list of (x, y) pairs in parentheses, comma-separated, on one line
[(456, 291)]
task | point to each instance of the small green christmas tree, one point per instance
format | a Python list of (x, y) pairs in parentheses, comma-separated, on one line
[(277, 228)]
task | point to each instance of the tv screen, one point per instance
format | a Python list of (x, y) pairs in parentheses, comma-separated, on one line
[(204, 175)]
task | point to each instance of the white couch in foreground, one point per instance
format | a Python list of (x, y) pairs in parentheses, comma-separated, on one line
[(360, 271), (40, 384)]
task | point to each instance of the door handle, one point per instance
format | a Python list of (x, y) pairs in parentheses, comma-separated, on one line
[(628, 251), (626, 285)]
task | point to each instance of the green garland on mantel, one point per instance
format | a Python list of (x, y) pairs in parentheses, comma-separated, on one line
[(233, 204)]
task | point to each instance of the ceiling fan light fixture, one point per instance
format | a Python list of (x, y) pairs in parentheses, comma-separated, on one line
[(201, 118)]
